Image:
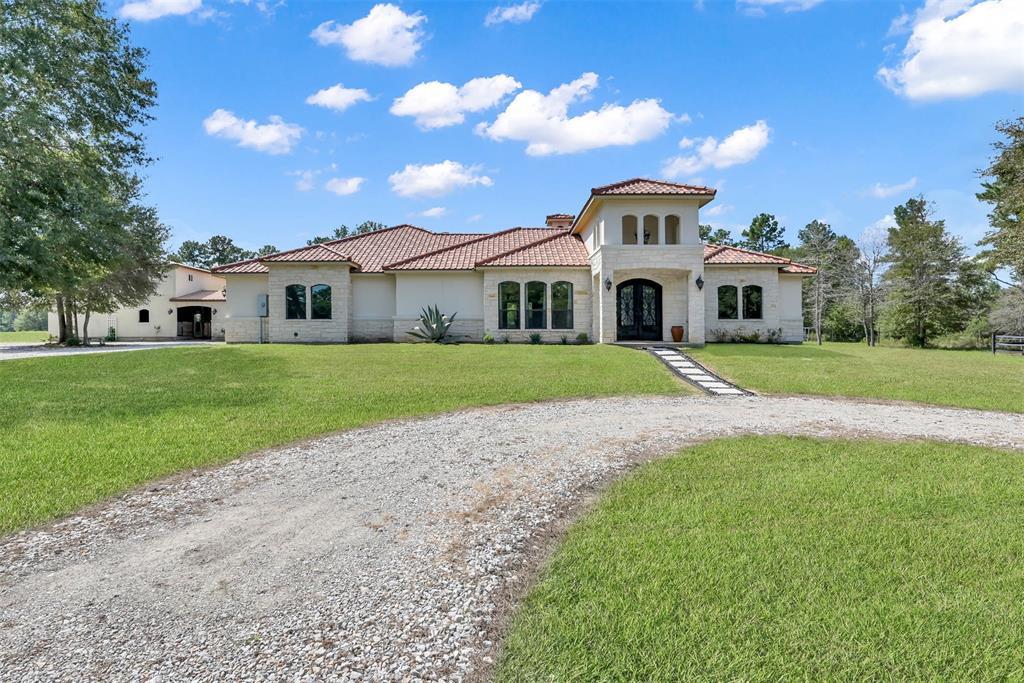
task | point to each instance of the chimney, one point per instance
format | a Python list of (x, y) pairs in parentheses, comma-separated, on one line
[(559, 220)]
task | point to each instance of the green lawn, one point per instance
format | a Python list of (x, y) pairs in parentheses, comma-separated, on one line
[(969, 379), (12, 337), (74, 430), (768, 559)]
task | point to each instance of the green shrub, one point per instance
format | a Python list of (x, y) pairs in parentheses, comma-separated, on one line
[(535, 338), (74, 341), (111, 334), (488, 339), (582, 338), (564, 339), (434, 325)]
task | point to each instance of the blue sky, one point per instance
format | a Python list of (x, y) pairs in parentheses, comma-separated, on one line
[(802, 108)]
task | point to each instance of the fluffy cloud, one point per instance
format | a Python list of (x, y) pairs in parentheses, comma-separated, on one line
[(959, 48), (435, 212), (882, 191), (718, 210), (435, 104), (434, 180), (147, 10), (739, 147), (344, 186), (543, 121), (513, 14), (276, 137), (386, 36), (338, 97), (304, 180), (757, 7)]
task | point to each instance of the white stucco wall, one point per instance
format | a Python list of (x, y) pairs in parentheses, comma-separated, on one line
[(454, 292), (612, 210), (373, 307), (241, 310)]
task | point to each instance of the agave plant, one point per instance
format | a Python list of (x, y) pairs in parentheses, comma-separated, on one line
[(433, 326)]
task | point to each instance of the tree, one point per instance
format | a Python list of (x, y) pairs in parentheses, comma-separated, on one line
[(1007, 315), (764, 234), (833, 256), (266, 250), (192, 253), (30, 319), (73, 102), (924, 267), (369, 226), (867, 290), (217, 250), (344, 231), (713, 235), (1005, 192)]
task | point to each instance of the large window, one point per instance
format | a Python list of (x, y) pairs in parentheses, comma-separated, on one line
[(561, 306), (508, 306), (295, 302), (144, 315), (629, 230), (752, 302), (320, 302), (650, 229), (536, 311), (727, 304)]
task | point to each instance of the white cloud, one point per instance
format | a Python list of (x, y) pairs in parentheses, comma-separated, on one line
[(344, 186), (305, 180), (739, 147), (435, 212), (276, 137), (338, 97), (513, 14), (543, 121), (147, 10), (434, 180), (386, 36), (436, 104), (959, 48), (882, 191), (757, 7), (884, 223), (718, 210)]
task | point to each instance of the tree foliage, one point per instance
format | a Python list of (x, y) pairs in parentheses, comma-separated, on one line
[(1005, 192), (712, 235), (343, 231), (764, 234), (834, 257), (216, 251)]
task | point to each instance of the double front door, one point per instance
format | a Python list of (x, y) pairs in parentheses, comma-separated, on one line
[(638, 310)]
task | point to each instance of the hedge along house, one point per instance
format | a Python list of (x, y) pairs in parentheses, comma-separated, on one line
[(629, 268)]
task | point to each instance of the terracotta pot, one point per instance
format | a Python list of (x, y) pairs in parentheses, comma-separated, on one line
[(677, 333)]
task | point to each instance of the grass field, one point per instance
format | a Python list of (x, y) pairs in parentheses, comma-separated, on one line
[(74, 430), (766, 559), (12, 337), (969, 379)]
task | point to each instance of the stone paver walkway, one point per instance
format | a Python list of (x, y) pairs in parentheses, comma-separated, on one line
[(695, 373)]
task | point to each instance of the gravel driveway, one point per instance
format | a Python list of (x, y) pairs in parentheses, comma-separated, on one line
[(381, 553), (20, 350)]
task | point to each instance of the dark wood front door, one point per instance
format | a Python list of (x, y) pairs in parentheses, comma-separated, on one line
[(638, 310)]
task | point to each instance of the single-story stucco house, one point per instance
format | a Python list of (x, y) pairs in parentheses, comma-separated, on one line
[(188, 304), (629, 267)]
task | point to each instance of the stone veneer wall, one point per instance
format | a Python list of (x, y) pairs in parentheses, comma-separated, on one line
[(581, 301), (242, 330), (463, 329), (372, 330), (309, 274), (768, 279)]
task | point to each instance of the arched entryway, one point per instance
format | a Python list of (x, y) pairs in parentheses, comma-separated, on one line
[(195, 322), (638, 310)]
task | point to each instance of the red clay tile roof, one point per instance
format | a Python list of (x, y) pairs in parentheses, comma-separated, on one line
[(646, 186), (559, 250), (314, 253), (560, 215), (467, 255), (721, 255), (252, 265), (202, 295)]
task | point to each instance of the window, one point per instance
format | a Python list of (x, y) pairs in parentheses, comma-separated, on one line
[(320, 302), (561, 306), (629, 230), (727, 304), (190, 277), (672, 229), (295, 302), (752, 302), (536, 312), (144, 315), (650, 229), (508, 306)]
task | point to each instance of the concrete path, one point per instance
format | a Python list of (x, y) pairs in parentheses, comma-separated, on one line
[(386, 553), (30, 350)]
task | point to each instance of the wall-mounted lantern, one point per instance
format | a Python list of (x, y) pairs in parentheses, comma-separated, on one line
[(170, 311), (700, 282), (608, 284)]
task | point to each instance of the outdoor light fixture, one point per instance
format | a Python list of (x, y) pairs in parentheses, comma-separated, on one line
[(700, 281), (215, 311), (608, 284), (170, 311)]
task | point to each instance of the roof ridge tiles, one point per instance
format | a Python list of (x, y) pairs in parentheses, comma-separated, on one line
[(530, 245), (441, 250)]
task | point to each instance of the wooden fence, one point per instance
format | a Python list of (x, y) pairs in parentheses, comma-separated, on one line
[(1010, 343)]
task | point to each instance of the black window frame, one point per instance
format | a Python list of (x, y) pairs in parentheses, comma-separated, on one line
[(313, 291), (533, 315), (506, 312), (291, 307), (748, 292), (562, 318), (735, 302)]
